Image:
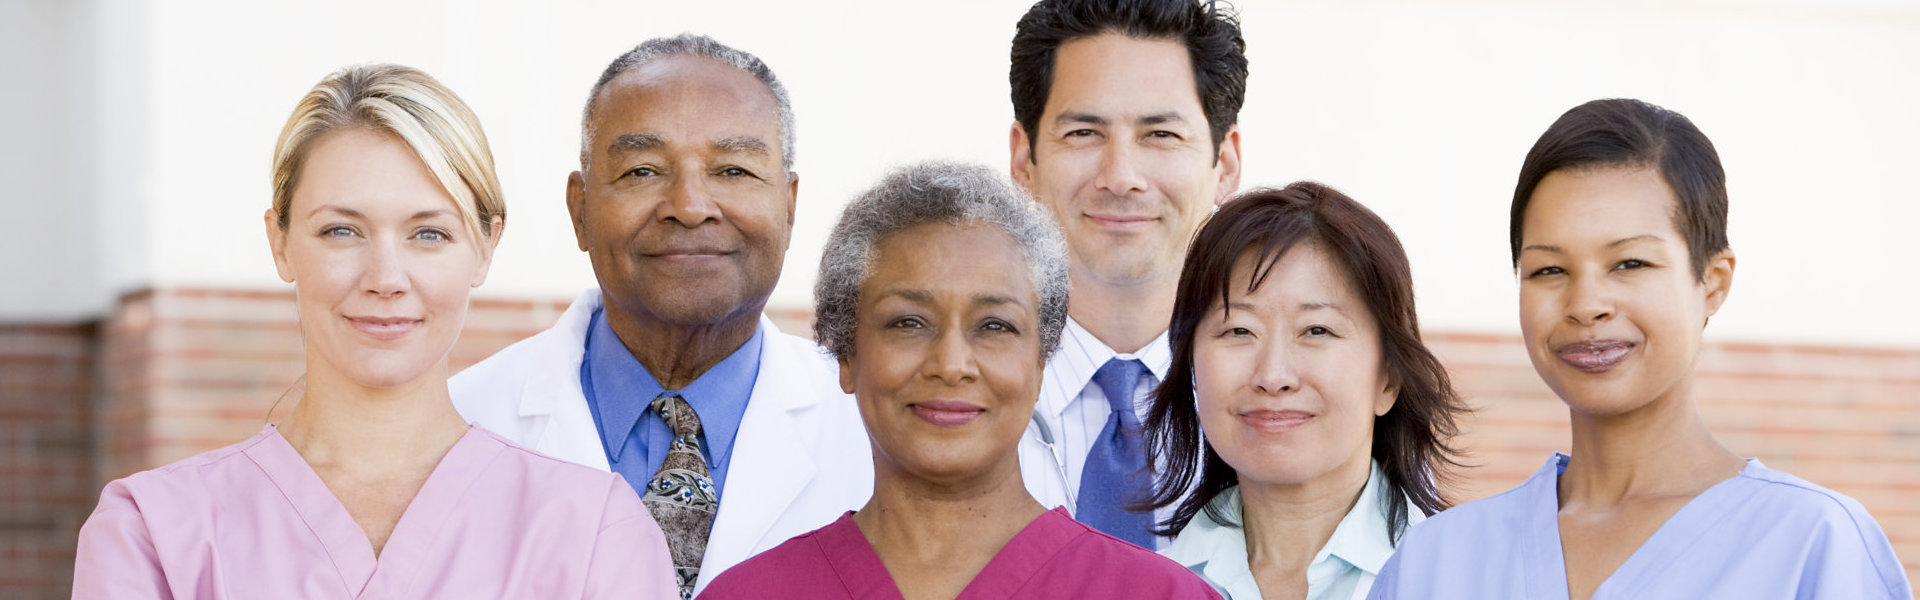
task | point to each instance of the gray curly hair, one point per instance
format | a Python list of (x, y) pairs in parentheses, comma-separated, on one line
[(695, 45), (936, 192)]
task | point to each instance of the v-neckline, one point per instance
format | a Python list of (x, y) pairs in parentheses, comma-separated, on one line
[(410, 543), (1653, 554), (865, 575)]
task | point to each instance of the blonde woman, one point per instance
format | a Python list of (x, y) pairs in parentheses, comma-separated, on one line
[(385, 214)]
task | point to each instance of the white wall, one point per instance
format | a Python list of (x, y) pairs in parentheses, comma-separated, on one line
[(1422, 110)]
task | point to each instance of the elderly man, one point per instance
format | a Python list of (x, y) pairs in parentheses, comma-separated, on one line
[(736, 435), (1126, 131)]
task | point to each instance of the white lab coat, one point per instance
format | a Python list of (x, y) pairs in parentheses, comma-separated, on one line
[(800, 459)]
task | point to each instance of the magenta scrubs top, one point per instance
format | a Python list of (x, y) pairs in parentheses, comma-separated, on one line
[(253, 520), (1053, 557)]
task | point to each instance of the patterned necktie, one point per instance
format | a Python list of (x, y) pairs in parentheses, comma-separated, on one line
[(1115, 472), (680, 495)]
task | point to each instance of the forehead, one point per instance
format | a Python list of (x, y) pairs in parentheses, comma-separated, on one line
[(973, 258), (368, 172), (1305, 273), (686, 98), (1599, 204), (1113, 74)]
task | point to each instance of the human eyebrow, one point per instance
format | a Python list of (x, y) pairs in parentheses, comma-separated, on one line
[(1629, 240), (1544, 248), (1313, 306), (1163, 118), (428, 214), (343, 211), (1079, 118), (994, 300), (744, 144), (636, 142)]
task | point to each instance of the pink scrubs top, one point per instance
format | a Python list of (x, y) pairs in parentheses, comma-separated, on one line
[(1053, 557), (253, 520)]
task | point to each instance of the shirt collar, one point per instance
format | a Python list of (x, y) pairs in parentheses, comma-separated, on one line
[(1361, 537), (1081, 355), (623, 388)]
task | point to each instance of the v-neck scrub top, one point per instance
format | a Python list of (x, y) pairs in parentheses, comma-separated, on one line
[(253, 520), (1054, 557), (1759, 535)]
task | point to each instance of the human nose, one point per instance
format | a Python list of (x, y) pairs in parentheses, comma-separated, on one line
[(386, 270), (1120, 169), (950, 360), (1589, 301), (1275, 373), (690, 202)]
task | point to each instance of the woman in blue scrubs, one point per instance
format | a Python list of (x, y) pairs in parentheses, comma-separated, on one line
[(1618, 233)]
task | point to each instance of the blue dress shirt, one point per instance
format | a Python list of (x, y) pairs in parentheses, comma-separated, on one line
[(618, 390)]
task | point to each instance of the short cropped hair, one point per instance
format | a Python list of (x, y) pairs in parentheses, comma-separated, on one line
[(1627, 133), (936, 192), (692, 45), (1409, 442), (1210, 31), (410, 105)]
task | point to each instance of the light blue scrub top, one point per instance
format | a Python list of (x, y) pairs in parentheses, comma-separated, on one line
[(1758, 535)]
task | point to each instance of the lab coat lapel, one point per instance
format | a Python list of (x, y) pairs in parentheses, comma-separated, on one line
[(773, 456), (561, 426)]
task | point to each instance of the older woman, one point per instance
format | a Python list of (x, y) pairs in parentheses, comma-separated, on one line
[(385, 213), (1301, 410), (941, 292), (1619, 235)]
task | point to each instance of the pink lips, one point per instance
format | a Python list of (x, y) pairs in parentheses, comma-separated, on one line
[(1120, 221), (947, 413), (384, 328), (1595, 356), (1275, 421)]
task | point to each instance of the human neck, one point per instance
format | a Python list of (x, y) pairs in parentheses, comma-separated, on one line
[(339, 424), (677, 354), (1660, 449), (1286, 525), (913, 523), (1127, 316)]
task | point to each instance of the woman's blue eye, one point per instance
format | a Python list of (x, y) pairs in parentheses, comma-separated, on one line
[(434, 235)]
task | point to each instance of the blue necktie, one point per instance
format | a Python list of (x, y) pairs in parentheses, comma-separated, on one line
[(1115, 473)]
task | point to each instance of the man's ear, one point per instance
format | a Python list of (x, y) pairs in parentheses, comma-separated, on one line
[(1227, 163), (577, 207), (277, 242), (488, 243), (1020, 151), (1717, 280), (793, 195)]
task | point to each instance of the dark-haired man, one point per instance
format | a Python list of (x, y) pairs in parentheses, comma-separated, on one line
[(1126, 131)]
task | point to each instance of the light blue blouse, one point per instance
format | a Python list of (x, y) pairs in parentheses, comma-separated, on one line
[(1758, 535), (1342, 570)]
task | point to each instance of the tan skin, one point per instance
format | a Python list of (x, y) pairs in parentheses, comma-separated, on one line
[(685, 209), (946, 367), (1125, 162), (382, 264), (1601, 259)]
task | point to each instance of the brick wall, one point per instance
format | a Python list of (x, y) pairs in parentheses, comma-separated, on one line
[(46, 459), (185, 371)]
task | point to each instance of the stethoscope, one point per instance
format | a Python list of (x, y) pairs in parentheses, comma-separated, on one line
[(1059, 460)]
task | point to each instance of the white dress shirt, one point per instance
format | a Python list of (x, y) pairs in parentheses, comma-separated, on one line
[(1074, 410), (1343, 569)]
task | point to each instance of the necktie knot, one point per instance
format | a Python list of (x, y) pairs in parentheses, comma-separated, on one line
[(1117, 379), (678, 415)]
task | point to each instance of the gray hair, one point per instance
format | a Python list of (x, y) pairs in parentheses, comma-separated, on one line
[(936, 192), (695, 45)]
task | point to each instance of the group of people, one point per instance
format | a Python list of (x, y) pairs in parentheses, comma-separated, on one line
[(1100, 375)]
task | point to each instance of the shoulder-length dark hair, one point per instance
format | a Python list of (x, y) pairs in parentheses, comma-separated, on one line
[(1408, 442)]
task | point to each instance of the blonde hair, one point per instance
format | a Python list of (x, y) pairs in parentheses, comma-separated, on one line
[(411, 105)]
